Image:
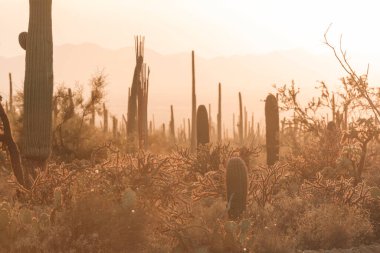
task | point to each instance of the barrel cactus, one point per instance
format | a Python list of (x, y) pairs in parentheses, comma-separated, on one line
[(38, 84), (4, 218), (237, 187), (203, 135), (272, 123)]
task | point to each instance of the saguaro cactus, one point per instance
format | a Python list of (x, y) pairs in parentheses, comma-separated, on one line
[(171, 124), (240, 129), (237, 187), (143, 107), (193, 146), (219, 117), (38, 84), (203, 134), (105, 119), (114, 127), (132, 102), (272, 123)]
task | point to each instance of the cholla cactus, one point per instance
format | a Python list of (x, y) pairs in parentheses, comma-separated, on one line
[(237, 187)]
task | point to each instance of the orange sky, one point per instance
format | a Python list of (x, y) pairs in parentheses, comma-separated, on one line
[(212, 27)]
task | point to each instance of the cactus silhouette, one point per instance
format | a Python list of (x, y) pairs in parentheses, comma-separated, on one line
[(105, 119), (171, 124), (22, 38), (240, 124), (203, 134), (132, 102), (272, 123), (237, 187), (38, 84), (219, 113), (194, 135)]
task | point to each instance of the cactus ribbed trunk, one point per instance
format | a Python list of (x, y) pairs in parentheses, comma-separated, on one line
[(203, 134), (114, 127), (245, 123), (92, 120), (193, 108), (220, 113), (105, 119), (38, 84), (171, 125), (272, 129), (240, 120), (237, 187), (132, 102), (233, 127)]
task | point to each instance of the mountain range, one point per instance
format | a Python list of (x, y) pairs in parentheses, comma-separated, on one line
[(170, 79)]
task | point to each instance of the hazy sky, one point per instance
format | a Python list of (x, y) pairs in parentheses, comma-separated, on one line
[(211, 27)]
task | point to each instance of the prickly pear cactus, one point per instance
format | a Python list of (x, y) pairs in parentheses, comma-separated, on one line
[(237, 187), (203, 135), (272, 123)]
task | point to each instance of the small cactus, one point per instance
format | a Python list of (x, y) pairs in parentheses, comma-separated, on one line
[(44, 220), (128, 198), (57, 197), (272, 123), (4, 218), (25, 216), (237, 187), (230, 227), (203, 135)]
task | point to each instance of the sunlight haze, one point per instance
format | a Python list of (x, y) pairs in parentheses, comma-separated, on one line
[(212, 28)]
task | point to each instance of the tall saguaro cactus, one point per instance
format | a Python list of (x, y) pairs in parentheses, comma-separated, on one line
[(132, 102), (171, 124), (237, 187), (240, 120), (143, 107), (219, 117), (203, 134), (105, 119), (193, 145), (38, 84), (272, 123)]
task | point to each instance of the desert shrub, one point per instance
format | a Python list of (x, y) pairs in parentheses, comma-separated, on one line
[(97, 224), (333, 226), (271, 240)]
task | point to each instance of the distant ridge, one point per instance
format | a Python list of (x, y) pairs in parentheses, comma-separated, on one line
[(253, 75)]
